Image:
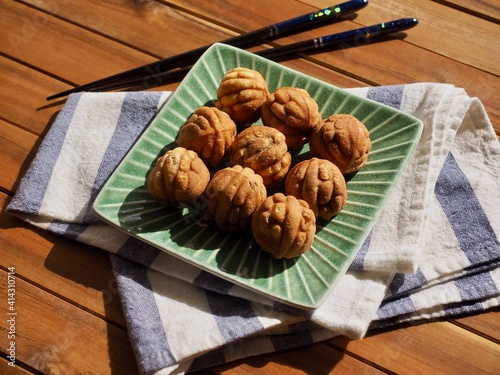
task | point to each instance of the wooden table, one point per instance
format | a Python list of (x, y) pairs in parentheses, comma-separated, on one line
[(69, 316)]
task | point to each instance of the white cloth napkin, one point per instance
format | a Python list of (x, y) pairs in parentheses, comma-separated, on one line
[(434, 251)]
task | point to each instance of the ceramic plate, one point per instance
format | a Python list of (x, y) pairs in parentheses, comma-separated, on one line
[(304, 281)]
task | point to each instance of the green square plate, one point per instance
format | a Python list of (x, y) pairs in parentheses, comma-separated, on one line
[(305, 281)]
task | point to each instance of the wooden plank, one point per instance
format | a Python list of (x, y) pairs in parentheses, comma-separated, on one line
[(457, 31), (22, 98), (458, 42), (98, 14), (390, 67), (16, 145), (314, 359), (433, 348), (14, 369), (169, 31), (50, 262), (487, 9), (53, 46), (56, 337), (486, 324), (421, 57)]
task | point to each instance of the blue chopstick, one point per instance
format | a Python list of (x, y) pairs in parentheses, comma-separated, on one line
[(307, 21), (345, 39), (357, 36)]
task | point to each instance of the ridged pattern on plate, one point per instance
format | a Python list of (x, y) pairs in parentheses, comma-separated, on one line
[(304, 281)]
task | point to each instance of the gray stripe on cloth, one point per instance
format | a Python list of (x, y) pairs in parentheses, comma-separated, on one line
[(235, 317), (292, 340), (211, 282), (388, 95), (391, 96), (68, 230), (358, 262), (142, 315), (465, 214), (29, 196), (289, 309), (138, 251), (454, 309), (477, 286), (138, 109), (136, 113), (403, 283), (210, 359), (401, 306)]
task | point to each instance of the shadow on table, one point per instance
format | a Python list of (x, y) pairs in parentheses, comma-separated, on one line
[(96, 294), (317, 359)]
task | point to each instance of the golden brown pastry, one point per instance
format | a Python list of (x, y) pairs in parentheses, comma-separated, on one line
[(178, 177), (209, 132), (264, 150), (241, 94), (293, 112), (321, 184), (342, 139), (284, 226), (233, 195)]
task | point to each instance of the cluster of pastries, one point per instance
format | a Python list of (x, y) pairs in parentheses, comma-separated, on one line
[(259, 158)]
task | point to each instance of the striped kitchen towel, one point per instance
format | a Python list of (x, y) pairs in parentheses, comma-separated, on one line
[(434, 250)]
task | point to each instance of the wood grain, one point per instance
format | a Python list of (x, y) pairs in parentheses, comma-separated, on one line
[(49, 261), (485, 325), (15, 147), (22, 98), (316, 359), (434, 348), (70, 316), (55, 47), (56, 337), (487, 9)]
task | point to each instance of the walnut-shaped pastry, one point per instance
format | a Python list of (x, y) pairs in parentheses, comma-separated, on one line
[(209, 132), (342, 139), (178, 177), (264, 150), (284, 226), (293, 112), (321, 184), (233, 195), (241, 94)]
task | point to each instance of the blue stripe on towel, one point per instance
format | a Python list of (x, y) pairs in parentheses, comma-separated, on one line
[(280, 306), (234, 316), (292, 340), (388, 95), (465, 215), (142, 315), (401, 306), (454, 309), (68, 230), (391, 96), (402, 283), (29, 197), (210, 359), (358, 262), (211, 282), (138, 251), (477, 286), (137, 111)]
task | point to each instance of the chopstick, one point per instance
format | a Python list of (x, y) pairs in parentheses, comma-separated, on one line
[(344, 39), (306, 21)]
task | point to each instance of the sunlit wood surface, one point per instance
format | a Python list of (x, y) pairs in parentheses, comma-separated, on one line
[(70, 318)]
